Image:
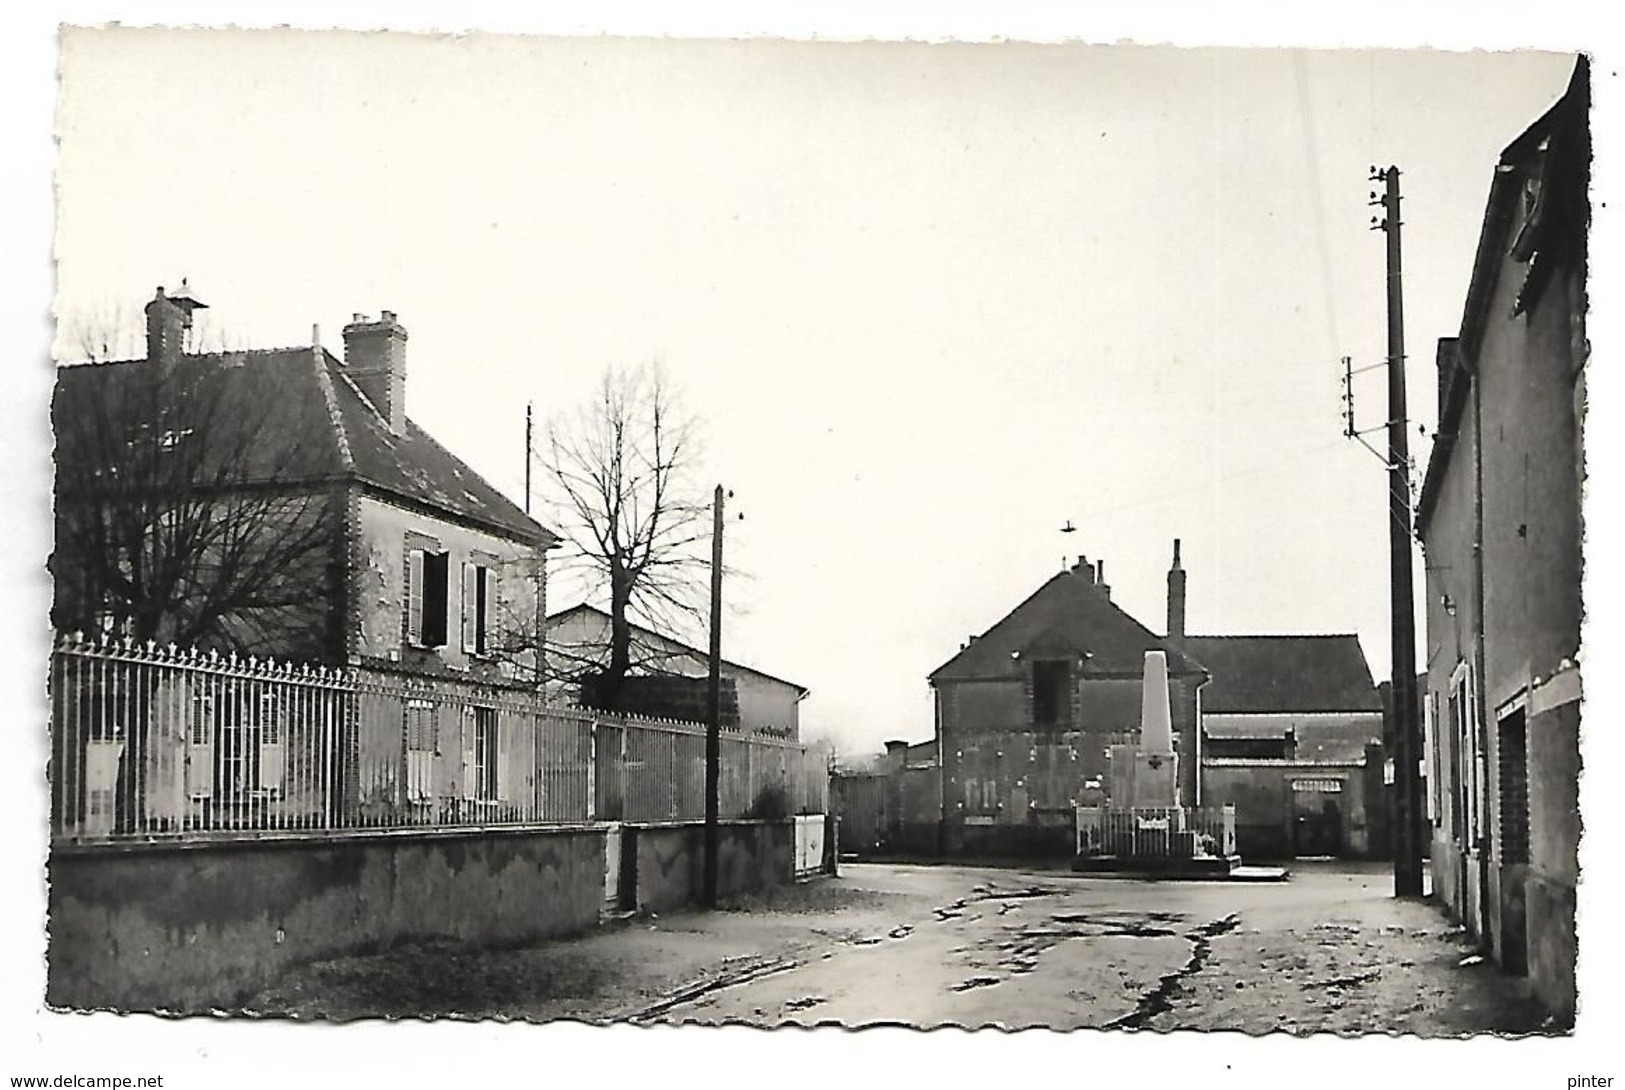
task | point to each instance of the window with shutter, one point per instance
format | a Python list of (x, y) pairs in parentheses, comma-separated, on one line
[(470, 753), (482, 593), (436, 572), (476, 611), (485, 733), (422, 742)]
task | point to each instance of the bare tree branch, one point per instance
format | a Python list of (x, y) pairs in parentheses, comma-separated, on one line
[(619, 470), (188, 509)]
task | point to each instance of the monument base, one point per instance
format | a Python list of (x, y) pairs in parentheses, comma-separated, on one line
[(1151, 866)]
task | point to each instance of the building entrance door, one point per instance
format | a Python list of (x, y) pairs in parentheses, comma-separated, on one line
[(1513, 783), (1317, 827)]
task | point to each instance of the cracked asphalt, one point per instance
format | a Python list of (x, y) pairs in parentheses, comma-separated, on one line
[(1329, 951)]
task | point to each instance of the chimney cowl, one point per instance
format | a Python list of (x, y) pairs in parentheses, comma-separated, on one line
[(168, 319)]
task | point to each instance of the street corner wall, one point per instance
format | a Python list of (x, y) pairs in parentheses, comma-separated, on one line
[(1549, 908), (1262, 793), (207, 926), (1263, 807), (1554, 826), (670, 860)]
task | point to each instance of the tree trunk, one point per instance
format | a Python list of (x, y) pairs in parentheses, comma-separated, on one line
[(620, 634)]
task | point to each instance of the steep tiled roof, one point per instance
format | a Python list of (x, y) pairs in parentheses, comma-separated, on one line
[(413, 466), (338, 433), (1284, 674), (272, 387), (1068, 614)]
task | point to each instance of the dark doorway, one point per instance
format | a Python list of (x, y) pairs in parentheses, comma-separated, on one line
[(1513, 781), (1318, 824)]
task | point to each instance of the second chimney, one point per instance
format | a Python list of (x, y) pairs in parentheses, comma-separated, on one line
[(375, 360), (1176, 597)]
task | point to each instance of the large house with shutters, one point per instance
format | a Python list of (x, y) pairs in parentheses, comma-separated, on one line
[(329, 529), (406, 556)]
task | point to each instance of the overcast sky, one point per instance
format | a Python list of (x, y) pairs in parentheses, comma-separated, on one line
[(931, 301)]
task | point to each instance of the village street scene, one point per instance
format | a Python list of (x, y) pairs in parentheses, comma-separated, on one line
[(767, 533)]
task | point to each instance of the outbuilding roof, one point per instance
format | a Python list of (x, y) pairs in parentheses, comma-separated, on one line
[(1274, 674)]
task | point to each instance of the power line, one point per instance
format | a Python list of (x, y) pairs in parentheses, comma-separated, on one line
[(1306, 114), (1276, 464)]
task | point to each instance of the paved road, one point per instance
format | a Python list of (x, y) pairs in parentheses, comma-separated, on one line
[(1330, 950)]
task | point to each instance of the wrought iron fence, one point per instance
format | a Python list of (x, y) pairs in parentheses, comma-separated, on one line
[(152, 743), (1162, 831)]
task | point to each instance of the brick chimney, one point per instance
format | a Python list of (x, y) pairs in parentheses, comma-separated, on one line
[(375, 360), (1085, 569), (1176, 597), (169, 318)]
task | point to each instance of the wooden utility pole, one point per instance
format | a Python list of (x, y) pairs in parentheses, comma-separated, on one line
[(713, 722), (527, 457), (1406, 734)]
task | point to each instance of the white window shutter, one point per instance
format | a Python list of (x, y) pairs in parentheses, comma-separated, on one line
[(496, 615), (414, 596), (471, 576), (507, 761), (271, 744), (471, 782), (200, 746)]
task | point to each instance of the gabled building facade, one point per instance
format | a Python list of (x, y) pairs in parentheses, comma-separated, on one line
[(578, 642), (1500, 522), (1026, 713)]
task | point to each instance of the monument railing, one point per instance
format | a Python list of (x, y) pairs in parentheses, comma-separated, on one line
[(1157, 831)]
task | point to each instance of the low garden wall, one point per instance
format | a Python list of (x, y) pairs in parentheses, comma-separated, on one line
[(207, 925)]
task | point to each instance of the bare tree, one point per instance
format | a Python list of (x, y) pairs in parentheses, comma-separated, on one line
[(193, 504), (621, 466)]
